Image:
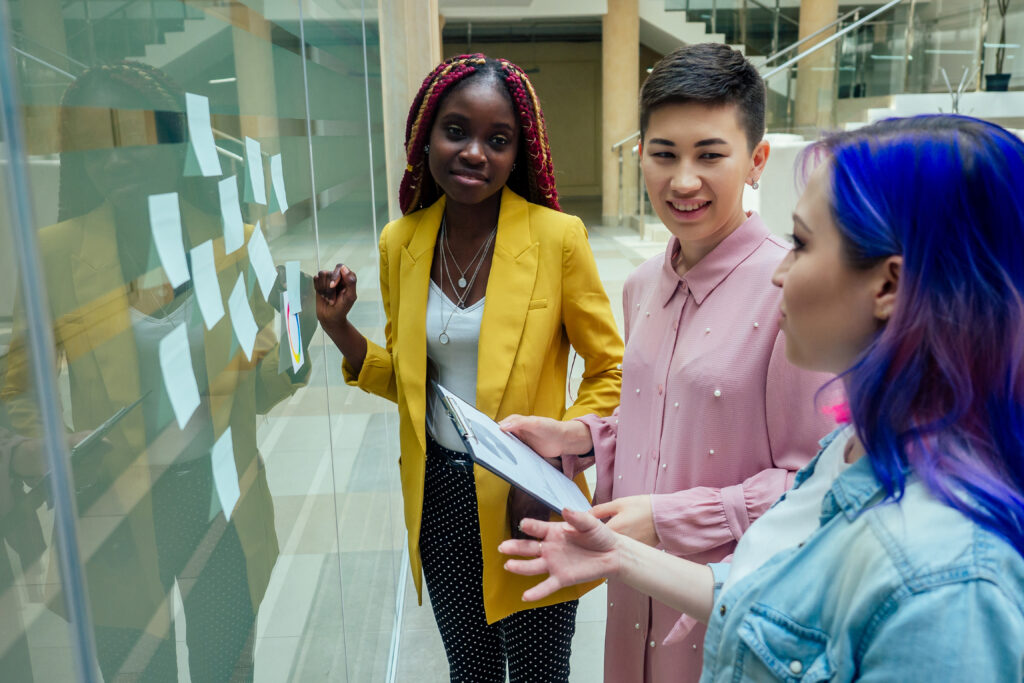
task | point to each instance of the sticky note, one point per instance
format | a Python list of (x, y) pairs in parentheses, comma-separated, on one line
[(254, 165), (225, 474), (262, 262), (231, 213), (277, 181), (202, 152), (292, 280), (291, 330), (204, 277), (165, 224), (242, 320), (179, 376)]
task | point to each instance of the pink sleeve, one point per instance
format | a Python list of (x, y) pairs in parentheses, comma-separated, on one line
[(702, 518), (604, 432)]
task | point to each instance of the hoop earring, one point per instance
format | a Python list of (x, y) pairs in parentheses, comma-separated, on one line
[(513, 167), (426, 149), (753, 185)]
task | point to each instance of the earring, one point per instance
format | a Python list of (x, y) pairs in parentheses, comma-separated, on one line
[(513, 167), (753, 185), (426, 149)]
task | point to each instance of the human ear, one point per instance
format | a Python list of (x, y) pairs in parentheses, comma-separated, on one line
[(888, 282), (758, 159)]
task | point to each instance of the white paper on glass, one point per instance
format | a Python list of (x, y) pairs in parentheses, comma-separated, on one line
[(262, 262), (202, 154), (225, 474), (277, 180), (254, 163), (179, 376), (510, 458), (204, 277), (231, 213), (165, 224), (292, 278), (242, 320)]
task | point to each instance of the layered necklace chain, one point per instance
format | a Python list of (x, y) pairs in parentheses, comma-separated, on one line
[(462, 287)]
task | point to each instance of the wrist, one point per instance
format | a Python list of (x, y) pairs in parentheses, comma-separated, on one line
[(576, 439)]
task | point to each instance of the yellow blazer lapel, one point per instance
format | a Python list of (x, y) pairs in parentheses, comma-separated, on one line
[(509, 288), (410, 334)]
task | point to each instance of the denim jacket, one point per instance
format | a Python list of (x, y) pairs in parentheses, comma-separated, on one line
[(907, 591)]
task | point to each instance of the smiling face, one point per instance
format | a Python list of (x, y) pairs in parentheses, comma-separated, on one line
[(830, 310), (696, 159), (474, 142)]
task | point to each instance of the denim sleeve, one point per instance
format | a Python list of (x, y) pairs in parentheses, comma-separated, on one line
[(964, 631), (720, 571)]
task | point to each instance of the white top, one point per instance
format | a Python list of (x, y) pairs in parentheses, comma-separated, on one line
[(793, 519), (453, 365)]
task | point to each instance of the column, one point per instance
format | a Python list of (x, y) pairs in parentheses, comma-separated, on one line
[(410, 46), (815, 75), (620, 93)]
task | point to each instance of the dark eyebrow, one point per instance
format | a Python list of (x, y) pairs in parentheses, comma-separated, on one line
[(661, 141), (462, 118), (711, 141)]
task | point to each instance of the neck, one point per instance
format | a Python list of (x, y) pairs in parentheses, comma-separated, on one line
[(692, 251), (471, 221)]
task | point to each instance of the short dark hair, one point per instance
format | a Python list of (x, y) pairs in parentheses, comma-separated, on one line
[(711, 74)]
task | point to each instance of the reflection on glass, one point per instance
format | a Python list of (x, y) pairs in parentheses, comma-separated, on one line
[(150, 514)]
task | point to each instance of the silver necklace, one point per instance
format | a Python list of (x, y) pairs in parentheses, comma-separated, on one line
[(479, 253), (446, 274)]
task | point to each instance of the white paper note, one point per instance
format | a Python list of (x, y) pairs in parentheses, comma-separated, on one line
[(179, 376), (242, 320), (225, 474), (292, 279), (291, 329), (204, 277), (262, 262), (277, 180), (165, 223), (231, 213), (200, 133), (254, 162)]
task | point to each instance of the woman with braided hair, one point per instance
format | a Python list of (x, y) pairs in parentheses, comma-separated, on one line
[(486, 283)]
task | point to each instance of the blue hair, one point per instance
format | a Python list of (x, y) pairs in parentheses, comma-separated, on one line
[(940, 389)]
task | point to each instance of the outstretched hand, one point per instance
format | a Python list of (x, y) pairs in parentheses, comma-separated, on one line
[(336, 290), (578, 550), (550, 438)]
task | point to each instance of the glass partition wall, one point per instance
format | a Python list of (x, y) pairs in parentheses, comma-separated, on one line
[(234, 508)]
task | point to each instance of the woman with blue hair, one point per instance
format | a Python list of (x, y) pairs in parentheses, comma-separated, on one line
[(899, 554)]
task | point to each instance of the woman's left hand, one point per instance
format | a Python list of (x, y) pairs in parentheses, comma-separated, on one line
[(578, 550), (631, 516)]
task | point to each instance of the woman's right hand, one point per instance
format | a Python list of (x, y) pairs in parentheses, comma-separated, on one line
[(548, 437), (336, 290), (574, 551)]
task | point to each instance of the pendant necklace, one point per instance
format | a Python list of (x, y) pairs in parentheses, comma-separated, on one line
[(466, 286), (479, 253)]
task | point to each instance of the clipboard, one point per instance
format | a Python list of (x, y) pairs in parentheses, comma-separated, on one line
[(508, 457), (39, 493)]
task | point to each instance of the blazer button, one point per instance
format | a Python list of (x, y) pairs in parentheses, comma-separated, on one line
[(722, 611)]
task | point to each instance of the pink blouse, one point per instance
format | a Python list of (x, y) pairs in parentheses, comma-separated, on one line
[(715, 424)]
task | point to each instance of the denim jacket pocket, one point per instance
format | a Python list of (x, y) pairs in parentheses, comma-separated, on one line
[(784, 649)]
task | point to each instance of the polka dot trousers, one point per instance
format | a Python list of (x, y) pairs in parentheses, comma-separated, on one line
[(535, 643)]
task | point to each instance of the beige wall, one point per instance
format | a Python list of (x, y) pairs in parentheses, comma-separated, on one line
[(567, 78)]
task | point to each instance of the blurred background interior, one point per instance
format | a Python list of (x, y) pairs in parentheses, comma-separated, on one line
[(306, 103)]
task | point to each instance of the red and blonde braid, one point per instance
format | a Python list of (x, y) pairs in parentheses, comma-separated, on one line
[(418, 188)]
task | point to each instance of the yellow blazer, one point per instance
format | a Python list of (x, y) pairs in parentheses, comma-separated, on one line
[(543, 294), (88, 297)]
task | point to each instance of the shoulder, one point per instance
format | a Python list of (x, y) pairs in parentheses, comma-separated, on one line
[(645, 274), (931, 544), (548, 225), (399, 232)]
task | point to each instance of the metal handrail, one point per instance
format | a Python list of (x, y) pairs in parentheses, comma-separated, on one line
[(775, 11), (624, 140), (831, 39), (803, 40), (21, 36), (62, 72)]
